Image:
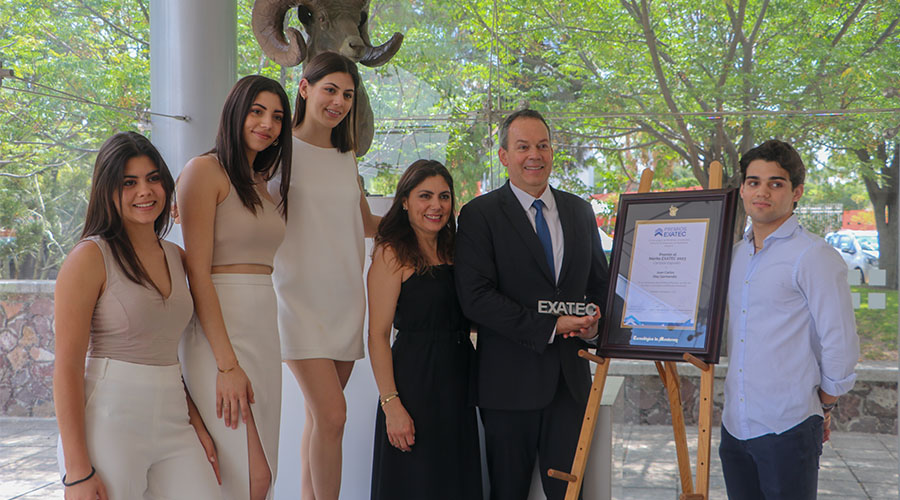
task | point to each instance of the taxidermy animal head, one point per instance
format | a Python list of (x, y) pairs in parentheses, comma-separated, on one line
[(340, 26)]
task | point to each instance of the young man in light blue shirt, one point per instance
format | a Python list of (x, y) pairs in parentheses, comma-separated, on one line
[(792, 342)]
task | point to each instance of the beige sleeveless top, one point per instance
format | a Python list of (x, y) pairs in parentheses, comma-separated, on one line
[(134, 323), (241, 237)]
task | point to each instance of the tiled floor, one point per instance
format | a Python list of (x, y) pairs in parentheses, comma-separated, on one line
[(28, 459), (854, 465)]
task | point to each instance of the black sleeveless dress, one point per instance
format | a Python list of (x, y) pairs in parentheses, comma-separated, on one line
[(433, 362)]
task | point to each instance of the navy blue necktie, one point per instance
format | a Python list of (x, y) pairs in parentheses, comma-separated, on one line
[(543, 233)]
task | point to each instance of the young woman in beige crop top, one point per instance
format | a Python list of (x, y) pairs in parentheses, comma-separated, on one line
[(232, 227), (122, 302)]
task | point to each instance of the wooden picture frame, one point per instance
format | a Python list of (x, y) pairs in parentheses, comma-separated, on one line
[(669, 274)]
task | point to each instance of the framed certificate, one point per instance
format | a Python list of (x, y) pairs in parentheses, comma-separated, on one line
[(669, 275)]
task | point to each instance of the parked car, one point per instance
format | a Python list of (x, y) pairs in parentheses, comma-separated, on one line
[(859, 250)]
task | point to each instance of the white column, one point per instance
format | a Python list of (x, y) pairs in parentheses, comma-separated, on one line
[(193, 64)]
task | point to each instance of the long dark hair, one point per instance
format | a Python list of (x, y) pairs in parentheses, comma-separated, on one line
[(394, 229), (230, 142), (104, 220), (343, 136)]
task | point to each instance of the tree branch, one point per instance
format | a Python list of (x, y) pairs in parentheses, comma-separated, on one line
[(646, 127), (885, 35), (650, 37), (56, 39), (111, 24), (144, 10), (662, 126), (626, 133), (624, 167), (759, 20), (628, 148), (888, 32), (748, 44), (32, 173), (848, 22), (57, 144)]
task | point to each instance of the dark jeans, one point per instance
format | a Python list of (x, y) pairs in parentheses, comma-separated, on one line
[(774, 466)]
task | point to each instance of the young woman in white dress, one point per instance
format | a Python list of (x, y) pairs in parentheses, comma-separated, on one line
[(319, 268), (232, 229), (126, 428)]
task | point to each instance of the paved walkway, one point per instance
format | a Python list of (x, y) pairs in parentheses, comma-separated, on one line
[(854, 465), (28, 459)]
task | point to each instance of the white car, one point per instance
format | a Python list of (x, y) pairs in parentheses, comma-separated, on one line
[(859, 250)]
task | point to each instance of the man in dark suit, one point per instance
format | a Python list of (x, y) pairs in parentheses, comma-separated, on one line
[(523, 252)]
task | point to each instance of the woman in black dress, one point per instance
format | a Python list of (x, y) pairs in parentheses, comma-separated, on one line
[(426, 435)]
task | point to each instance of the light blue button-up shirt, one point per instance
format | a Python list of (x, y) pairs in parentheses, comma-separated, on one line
[(791, 329)]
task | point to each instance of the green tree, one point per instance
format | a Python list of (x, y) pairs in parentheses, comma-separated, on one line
[(676, 84), (81, 74), (627, 84)]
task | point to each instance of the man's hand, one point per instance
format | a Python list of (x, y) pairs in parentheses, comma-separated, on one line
[(827, 399), (578, 326)]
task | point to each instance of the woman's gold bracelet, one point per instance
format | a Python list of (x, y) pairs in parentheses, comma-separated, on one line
[(387, 397), (228, 369)]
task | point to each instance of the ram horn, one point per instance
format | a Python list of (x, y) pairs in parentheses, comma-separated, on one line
[(285, 47), (376, 56)]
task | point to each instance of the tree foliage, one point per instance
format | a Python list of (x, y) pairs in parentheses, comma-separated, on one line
[(80, 53), (669, 85), (82, 73), (674, 85)]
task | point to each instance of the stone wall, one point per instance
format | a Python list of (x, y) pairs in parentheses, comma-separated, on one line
[(870, 407), (26, 371), (26, 348)]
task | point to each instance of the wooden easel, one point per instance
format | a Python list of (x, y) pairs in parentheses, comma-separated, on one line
[(668, 372)]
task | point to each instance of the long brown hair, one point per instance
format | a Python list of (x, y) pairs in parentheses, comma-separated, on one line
[(230, 142), (395, 230), (104, 220), (343, 136)]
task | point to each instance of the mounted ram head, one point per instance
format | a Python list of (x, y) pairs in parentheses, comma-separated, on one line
[(340, 26)]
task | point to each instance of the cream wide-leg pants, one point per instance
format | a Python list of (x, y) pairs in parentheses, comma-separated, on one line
[(250, 314), (138, 435)]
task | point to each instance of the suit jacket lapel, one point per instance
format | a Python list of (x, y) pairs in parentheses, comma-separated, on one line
[(567, 218), (520, 223)]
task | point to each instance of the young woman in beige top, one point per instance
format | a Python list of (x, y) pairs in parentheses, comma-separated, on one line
[(232, 227), (122, 302)]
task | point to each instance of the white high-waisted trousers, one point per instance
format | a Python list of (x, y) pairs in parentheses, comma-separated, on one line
[(138, 434), (249, 310)]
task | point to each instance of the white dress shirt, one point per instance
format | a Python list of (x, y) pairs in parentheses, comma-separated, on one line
[(551, 215), (791, 330)]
